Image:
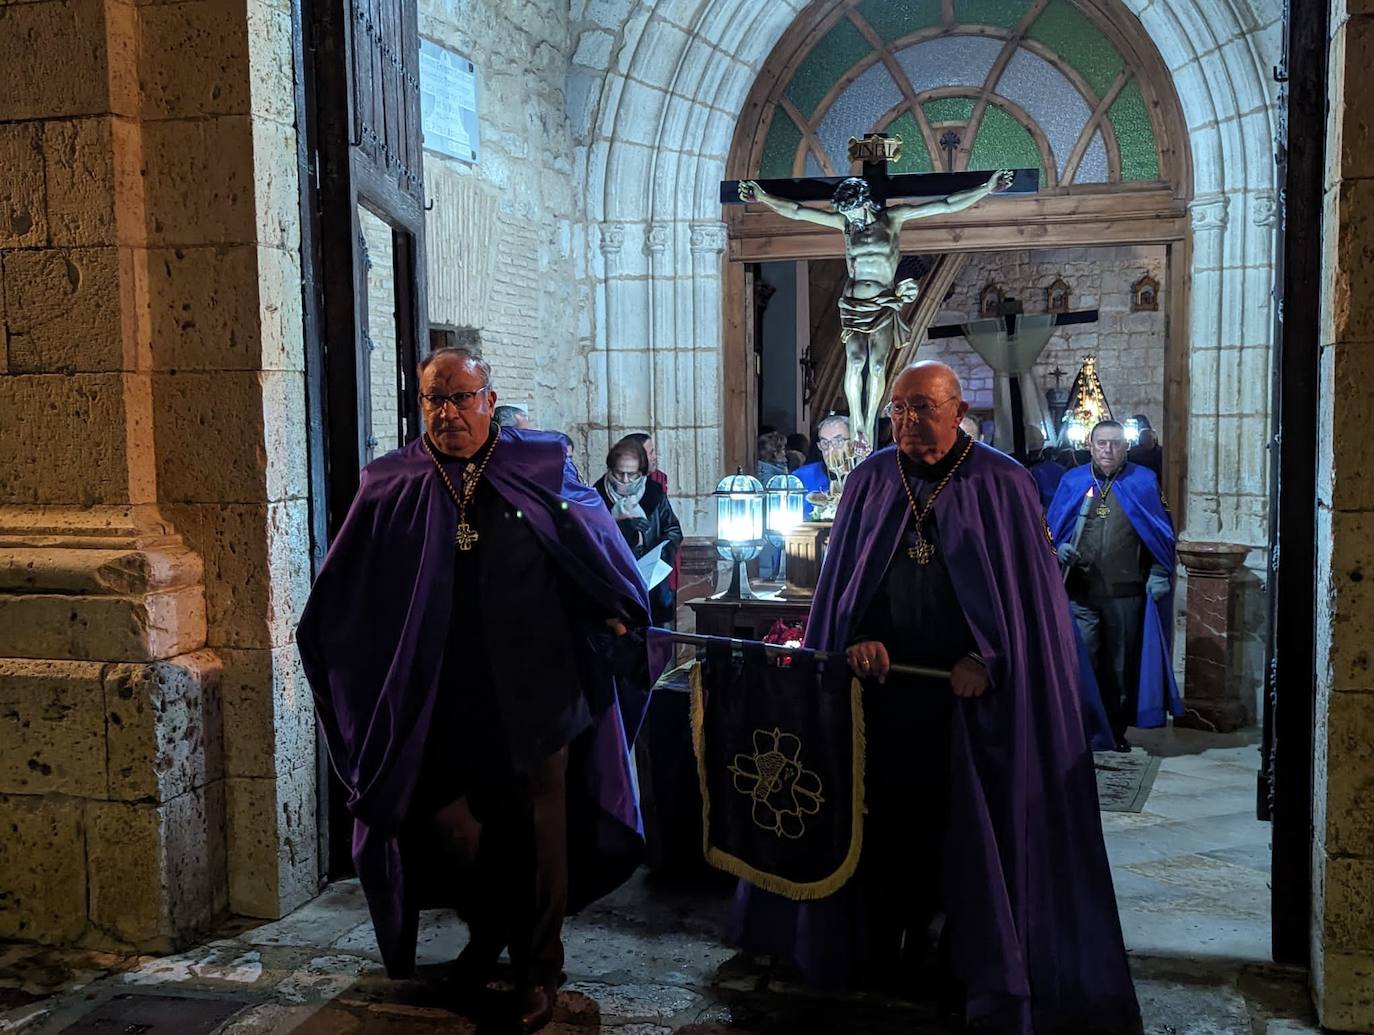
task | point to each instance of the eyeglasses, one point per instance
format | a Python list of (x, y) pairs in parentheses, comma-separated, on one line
[(832, 443), (624, 476), (922, 408), (460, 400)]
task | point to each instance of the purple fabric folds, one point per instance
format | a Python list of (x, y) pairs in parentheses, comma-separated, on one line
[(372, 640), (1032, 919)]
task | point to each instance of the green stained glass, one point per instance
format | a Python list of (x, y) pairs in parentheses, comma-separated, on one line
[(780, 147), (1004, 13), (842, 48), (1135, 136), (1003, 143), (1068, 32), (915, 158), (948, 109), (893, 19)]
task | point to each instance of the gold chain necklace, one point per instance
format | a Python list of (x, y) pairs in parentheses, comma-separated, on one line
[(466, 536), (1103, 491), (921, 551)]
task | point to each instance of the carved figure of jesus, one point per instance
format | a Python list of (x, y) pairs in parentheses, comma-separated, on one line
[(870, 308)]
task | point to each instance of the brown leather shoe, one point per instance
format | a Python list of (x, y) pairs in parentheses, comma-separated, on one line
[(536, 1007)]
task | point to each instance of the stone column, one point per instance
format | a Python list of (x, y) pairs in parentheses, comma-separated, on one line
[(1343, 849), (1216, 695), (708, 242), (148, 285)]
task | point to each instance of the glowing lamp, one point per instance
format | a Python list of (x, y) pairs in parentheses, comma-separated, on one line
[(1132, 428), (739, 528)]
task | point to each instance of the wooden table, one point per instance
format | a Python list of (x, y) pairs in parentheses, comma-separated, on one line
[(747, 619)]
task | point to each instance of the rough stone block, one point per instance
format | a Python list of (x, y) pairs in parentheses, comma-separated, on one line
[(280, 309), (1351, 277), (93, 172), (1349, 773), (198, 459), (40, 47), (63, 310), (164, 727), (23, 216), (52, 728), (204, 307), (273, 843), (154, 625), (199, 184), (43, 860), (1352, 55), (1345, 456), (202, 63), (269, 714), (1348, 920), (65, 440), (283, 414), (1343, 984), (157, 871), (1345, 604), (276, 185), (271, 62)]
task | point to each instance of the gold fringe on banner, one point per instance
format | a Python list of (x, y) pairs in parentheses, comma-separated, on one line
[(771, 882)]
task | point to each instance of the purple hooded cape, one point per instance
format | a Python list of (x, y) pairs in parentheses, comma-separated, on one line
[(1033, 926), (372, 640), (1137, 489)]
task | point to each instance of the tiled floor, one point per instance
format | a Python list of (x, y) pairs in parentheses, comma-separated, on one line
[(1191, 874)]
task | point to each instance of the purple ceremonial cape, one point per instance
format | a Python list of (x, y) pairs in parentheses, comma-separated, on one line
[(1137, 490), (372, 639), (1032, 919)]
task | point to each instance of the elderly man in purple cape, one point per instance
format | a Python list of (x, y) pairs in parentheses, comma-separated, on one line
[(1114, 537), (475, 642), (980, 791)]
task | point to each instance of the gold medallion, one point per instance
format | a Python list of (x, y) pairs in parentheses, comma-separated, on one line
[(921, 552), (465, 536), (1103, 511)]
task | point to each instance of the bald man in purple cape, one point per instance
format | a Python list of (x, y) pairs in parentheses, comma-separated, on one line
[(980, 794), (475, 642)]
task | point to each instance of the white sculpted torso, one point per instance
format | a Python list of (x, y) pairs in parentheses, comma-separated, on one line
[(872, 255)]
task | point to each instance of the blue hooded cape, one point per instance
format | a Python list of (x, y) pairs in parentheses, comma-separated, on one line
[(1137, 489), (372, 640), (1034, 932)]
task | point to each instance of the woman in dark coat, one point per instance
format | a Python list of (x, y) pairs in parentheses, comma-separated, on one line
[(643, 515)]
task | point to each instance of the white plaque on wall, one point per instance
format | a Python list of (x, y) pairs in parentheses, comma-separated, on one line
[(448, 102)]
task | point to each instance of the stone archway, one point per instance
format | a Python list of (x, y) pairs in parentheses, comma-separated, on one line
[(661, 134)]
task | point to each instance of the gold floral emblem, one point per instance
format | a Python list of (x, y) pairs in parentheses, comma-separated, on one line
[(782, 789)]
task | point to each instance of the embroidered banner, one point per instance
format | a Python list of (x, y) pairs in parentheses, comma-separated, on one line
[(780, 757)]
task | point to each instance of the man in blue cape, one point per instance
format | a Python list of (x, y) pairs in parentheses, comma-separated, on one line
[(832, 434), (1116, 542), (980, 794), (475, 643)]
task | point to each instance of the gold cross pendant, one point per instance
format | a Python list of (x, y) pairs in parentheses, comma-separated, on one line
[(1103, 510), (921, 552), (465, 536)]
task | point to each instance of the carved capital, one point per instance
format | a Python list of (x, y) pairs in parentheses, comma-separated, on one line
[(656, 239), (612, 238), (1209, 212), (708, 238), (1264, 209)]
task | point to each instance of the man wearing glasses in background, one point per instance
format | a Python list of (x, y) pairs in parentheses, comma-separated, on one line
[(1115, 541), (475, 643), (832, 435)]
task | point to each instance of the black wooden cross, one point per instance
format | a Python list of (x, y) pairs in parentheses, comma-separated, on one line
[(882, 186)]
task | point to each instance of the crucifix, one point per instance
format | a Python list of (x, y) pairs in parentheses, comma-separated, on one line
[(872, 303), (1010, 344)]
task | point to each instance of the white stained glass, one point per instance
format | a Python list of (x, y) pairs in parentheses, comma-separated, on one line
[(855, 112), (949, 61), (1093, 167), (1048, 97)]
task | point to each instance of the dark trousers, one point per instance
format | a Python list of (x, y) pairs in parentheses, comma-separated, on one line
[(906, 790), (1112, 629), (508, 838)]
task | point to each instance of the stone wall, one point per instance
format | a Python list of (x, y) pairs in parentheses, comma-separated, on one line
[(1129, 346), (1343, 851), (156, 737), (505, 240)]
